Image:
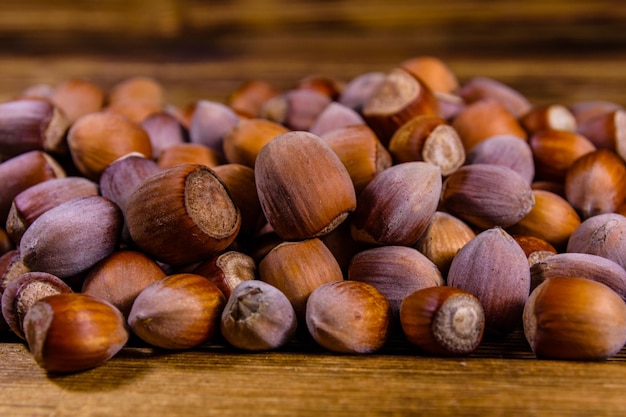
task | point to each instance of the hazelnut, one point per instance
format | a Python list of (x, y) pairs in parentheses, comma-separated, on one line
[(304, 188), (34, 201), (574, 318), (486, 88), (164, 130), (433, 71), (24, 291), (535, 248), (244, 141), (583, 265), (555, 150), (603, 235), (396, 100), (549, 117), (328, 86), (72, 237), (395, 271), (227, 270), (297, 268), (494, 268), (179, 311), (31, 125), (333, 117), (210, 123), (505, 150), (483, 119), (248, 98), (360, 151), (120, 277), (443, 321), (168, 216), (257, 317), (188, 153), (486, 195), (442, 239), (348, 317), (71, 332), (595, 183), (397, 205), (359, 89), (606, 130), (295, 109), (552, 218), (430, 139), (77, 97), (98, 139), (22, 172)]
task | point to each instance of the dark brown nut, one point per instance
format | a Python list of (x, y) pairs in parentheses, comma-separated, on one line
[(595, 183), (482, 88), (168, 216), (606, 131), (240, 183), (304, 188), (505, 150), (34, 201), (443, 321), (535, 248), (430, 139), (296, 109), (552, 218), (361, 153), (71, 332), (72, 237), (359, 89), (77, 97), (31, 125), (397, 205), (573, 318), (333, 117), (395, 271), (210, 123), (583, 265), (555, 150), (329, 86), (164, 130), (298, 268), (486, 195), (400, 97), (603, 235), (180, 311), (98, 139), (248, 98), (484, 119), (348, 317), (120, 277), (494, 268), (227, 270), (24, 171), (549, 117), (442, 239), (258, 317), (25, 291), (244, 141), (433, 71), (189, 153), (122, 176)]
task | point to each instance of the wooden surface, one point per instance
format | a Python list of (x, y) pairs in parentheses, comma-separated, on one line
[(552, 51)]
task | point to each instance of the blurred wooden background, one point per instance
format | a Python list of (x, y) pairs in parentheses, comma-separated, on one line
[(203, 49)]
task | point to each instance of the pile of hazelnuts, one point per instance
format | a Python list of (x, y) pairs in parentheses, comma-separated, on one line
[(401, 202)]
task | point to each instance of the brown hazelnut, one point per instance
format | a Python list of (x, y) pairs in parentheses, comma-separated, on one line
[(179, 311), (574, 318), (444, 321), (348, 317), (71, 332)]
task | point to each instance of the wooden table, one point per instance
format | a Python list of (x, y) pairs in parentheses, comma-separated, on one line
[(552, 51)]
